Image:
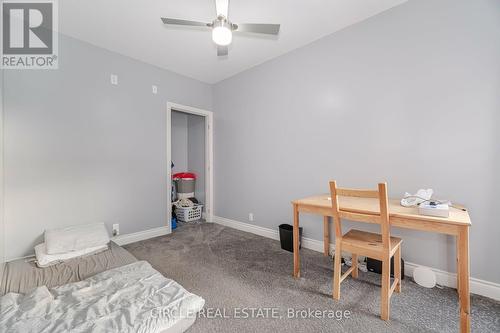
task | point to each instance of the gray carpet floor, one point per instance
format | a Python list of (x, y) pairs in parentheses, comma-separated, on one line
[(238, 272)]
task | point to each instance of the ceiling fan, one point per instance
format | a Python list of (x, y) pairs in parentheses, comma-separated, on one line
[(222, 28)]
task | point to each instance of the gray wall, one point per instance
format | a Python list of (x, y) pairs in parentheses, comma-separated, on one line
[(196, 153), (179, 141), (79, 150), (410, 96)]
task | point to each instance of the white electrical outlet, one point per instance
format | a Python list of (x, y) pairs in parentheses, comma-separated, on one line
[(155, 89), (114, 79), (116, 230), (250, 217)]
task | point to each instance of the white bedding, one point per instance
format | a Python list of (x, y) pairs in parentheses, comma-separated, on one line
[(131, 298), (43, 259), (74, 238)]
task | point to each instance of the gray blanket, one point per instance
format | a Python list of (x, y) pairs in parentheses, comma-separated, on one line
[(22, 276), (131, 298)]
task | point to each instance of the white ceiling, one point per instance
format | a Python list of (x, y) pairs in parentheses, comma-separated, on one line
[(134, 28)]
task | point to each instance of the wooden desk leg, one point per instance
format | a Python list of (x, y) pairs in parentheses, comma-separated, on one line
[(296, 255), (326, 236), (458, 267), (463, 271)]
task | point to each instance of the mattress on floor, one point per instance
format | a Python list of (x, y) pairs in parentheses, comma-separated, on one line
[(23, 275), (131, 298)]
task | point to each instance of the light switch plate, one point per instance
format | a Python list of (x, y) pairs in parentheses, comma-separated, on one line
[(154, 89), (114, 79)]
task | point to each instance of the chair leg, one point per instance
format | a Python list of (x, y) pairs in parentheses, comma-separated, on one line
[(337, 270), (354, 264), (397, 269), (458, 260), (386, 282)]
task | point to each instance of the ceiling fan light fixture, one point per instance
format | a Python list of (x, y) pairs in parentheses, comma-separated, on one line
[(222, 28), (221, 33)]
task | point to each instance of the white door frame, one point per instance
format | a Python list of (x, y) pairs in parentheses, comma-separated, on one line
[(2, 192), (209, 157)]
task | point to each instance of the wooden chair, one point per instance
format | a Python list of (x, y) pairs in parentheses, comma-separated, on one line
[(378, 246)]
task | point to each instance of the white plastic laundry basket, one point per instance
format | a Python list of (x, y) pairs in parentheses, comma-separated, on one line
[(189, 214)]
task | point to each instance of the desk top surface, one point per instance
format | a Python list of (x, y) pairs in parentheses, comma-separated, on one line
[(371, 206)]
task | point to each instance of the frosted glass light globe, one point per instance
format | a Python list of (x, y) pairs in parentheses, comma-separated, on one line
[(222, 36)]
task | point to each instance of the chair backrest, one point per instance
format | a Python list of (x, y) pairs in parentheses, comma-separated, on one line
[(382, 217)]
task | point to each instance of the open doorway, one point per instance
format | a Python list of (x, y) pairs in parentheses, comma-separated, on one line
[(190, 149)]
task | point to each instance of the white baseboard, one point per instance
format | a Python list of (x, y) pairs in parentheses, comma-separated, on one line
[(448, 279), (477, 286), (140, 235), (254, 229), (308, 243), (122, 239), (19, 258)]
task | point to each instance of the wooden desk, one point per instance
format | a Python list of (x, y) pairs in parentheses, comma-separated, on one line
[(457, 224)]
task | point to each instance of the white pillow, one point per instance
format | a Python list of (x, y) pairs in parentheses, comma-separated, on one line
[(43, 259), (75, 238)]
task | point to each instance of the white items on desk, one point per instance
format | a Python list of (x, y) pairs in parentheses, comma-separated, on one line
[(434, 209), (422, 195), (426, 206)]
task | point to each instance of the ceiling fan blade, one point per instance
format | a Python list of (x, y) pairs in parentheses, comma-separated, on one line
[(222, 51), (167, 20), (259, 28), (222, 7)]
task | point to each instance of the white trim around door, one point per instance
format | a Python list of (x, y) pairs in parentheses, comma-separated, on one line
[(209, 156)]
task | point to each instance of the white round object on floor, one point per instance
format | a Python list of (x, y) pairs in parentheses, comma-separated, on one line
[(425, 277)]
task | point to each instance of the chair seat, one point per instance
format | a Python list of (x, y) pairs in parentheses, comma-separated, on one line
[(368, 240)]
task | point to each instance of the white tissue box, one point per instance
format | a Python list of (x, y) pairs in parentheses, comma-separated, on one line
[(439, 210)]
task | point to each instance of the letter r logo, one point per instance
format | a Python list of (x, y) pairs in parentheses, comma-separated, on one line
[(27, 28)]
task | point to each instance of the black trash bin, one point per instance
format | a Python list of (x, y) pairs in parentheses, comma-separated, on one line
[(286, 237)]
